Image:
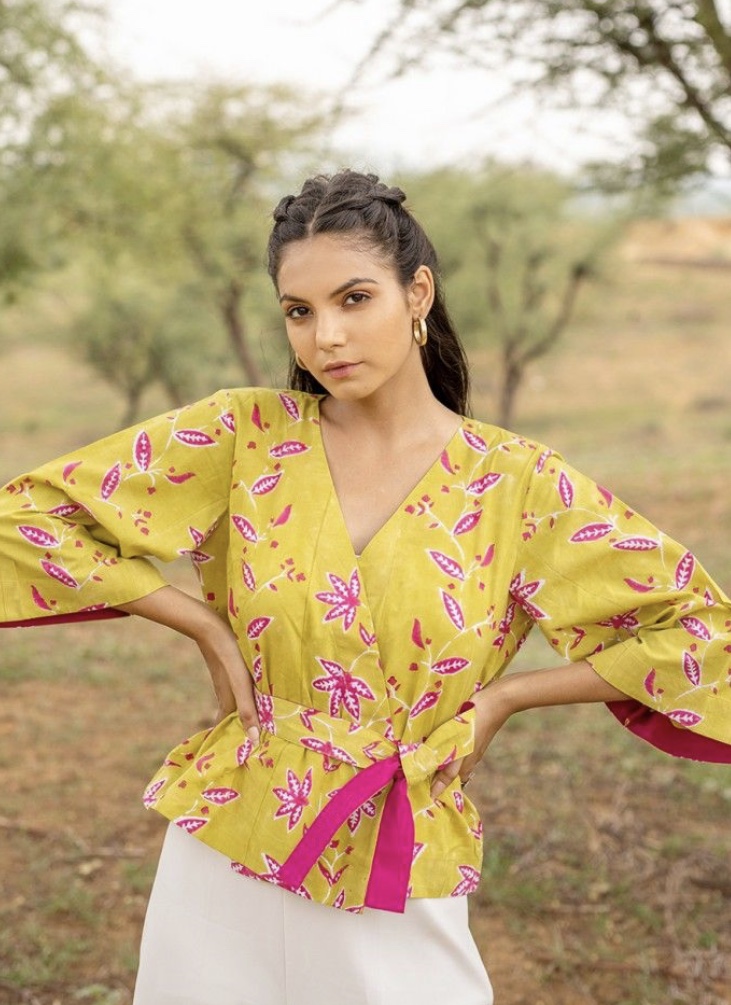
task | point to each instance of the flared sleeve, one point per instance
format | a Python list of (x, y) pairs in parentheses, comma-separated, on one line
[(78, 533), (605, 585)]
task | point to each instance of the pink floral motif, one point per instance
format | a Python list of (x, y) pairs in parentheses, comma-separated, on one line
[(427, 700), (452, 665), (684, 717), (40, 538), (150, 795), (470, 881), (649, 683), (345, 688), (256, 626), (294, 798), (566, 490), (345, 600), (522, 593), (60, 574), (481, 485), (591, 532), (194, 438), (368, 809), (467, 523), (111, 481), (265, 708), (691, 669), (329, 752), (684, 570), (142, 451), (332, 877), (220, 795), (191, 824), (636, 544), (272, 876), (288, 448), (448, 565), (290, 406), (694, 626), (626, 621), (453, 609), (266, 484)]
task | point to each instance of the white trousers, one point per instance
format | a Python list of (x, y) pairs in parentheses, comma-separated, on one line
[(213, 937)]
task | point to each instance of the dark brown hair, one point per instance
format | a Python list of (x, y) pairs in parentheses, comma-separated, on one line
[(359, 204)]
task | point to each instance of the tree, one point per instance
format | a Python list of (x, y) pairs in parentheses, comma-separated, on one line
[(236, 144), (666, 64), (179, 180), (135, 333), (515, 253), (41, 59)]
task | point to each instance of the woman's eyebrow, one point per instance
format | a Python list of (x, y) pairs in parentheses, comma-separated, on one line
[(355, 281)]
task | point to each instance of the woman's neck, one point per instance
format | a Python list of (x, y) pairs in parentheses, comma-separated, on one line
[(390, 415)]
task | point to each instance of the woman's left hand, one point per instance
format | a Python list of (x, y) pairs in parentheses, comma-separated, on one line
[(491, 713), (566, 684)]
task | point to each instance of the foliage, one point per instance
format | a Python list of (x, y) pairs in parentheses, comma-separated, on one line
[(135, 333), (515, 252), (173, 184), (664, 64), (41, 59)]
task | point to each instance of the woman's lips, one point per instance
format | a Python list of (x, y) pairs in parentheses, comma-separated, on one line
[(340, 370)]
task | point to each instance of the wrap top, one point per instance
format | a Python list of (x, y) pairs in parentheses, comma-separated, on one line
[(364, 666)]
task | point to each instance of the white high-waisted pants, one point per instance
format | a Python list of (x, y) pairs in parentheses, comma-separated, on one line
[(213, 937)]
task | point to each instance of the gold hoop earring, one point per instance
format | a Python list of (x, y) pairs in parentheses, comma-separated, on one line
[(419, 331), (299, 362)]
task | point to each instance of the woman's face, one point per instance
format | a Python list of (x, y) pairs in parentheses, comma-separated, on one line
[(348, 317)]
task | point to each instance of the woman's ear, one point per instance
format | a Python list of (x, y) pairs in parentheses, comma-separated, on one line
[(421, 292)]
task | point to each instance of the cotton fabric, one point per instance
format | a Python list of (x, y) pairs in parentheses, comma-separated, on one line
[(212, 936), (365, 663)]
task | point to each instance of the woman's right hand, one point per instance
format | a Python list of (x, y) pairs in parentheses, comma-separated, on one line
[(231, 679), (232, 683)]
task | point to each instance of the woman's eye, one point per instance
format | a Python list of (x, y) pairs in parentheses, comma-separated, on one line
[(296, 312), (356, 298)]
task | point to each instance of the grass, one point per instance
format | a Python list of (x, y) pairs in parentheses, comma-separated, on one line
[(606, 877)]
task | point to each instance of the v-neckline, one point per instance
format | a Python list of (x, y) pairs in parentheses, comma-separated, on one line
[(414, 490)]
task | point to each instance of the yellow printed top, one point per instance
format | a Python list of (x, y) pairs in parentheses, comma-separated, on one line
[(364, 666)]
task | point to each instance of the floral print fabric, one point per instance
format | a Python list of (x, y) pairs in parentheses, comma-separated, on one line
[(361, 659)]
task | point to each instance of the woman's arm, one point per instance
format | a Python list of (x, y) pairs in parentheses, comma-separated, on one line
[(516, 692), (232, 681)]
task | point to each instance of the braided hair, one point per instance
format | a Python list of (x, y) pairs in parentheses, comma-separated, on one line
[(360, 204)]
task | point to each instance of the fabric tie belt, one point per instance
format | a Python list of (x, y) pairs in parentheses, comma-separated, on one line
[(381, 762)]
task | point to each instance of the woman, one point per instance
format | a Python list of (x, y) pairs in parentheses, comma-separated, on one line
[(370, 560)]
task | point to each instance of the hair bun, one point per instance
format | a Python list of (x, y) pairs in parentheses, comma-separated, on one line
[(281, 210), (392, 196)]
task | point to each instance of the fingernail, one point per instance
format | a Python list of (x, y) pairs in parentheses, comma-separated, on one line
[(253, 733)]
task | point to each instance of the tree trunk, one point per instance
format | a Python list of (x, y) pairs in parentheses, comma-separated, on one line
[(132, 398), (231, 312), (512, 377)]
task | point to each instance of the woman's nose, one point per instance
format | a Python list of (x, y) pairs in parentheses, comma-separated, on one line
[(329, 333)]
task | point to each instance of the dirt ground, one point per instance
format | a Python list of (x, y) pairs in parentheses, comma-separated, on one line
[(607, 875)]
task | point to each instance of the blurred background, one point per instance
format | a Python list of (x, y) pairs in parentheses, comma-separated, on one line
[(572, 163)]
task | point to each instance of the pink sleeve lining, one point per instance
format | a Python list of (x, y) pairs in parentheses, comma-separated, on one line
[(661, 732), (102, 614)]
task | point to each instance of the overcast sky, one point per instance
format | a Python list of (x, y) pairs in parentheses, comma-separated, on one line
[(431, 118)]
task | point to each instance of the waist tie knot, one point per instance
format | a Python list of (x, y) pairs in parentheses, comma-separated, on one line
[(380, 763)]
